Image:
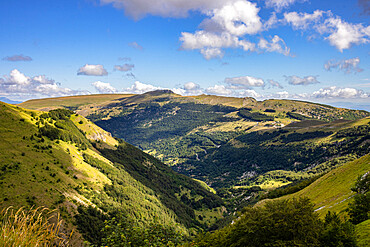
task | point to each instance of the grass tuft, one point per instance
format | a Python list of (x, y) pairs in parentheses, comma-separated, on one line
[(31, 227)]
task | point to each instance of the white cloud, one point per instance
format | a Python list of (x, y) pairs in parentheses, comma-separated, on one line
[(202, 39), (348, 65), (104, 87), (275, 84), (248, 93), (43, 80), (237, 18), (343, 34), (244, 82), (189, 88), (126, 67), (271, 22), (307, 80), (278, 5), (277, 44), (165, 8), (21, 85), (303, 20), (91, 69), (136, 46), (282, 95), (219, 90), (339, 93), (210, 44), (139, 88), (17, 58), (209, 53)]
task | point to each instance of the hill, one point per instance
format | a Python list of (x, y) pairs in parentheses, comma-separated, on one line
[(332, 191), (196, 134), (61, 160)]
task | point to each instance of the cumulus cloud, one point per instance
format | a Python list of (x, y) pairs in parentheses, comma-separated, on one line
[(278, 5), (189, 88), (17, 58), (126, 67), (180, 8), (307, 80), (237, 18), (104, 87), (339, 93), (277, 44), (244, 82), (303, 20), (348, 65), (219, 90), (275, 84), (139, 88), (136, 46), (225, 27), (90, 69), (21, 85), (248, 93), (344, 35), (210, 44), (282, 95)]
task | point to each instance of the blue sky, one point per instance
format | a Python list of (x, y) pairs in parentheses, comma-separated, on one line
[(297, 49)]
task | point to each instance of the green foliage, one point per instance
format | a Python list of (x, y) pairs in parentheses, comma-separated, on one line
[(296, 116), (119, 231), (164, 182), (254, 116), (64, 128), (359, 209), (51, 132), (90, 222), (277, 223), (153, 122), (336, 232)]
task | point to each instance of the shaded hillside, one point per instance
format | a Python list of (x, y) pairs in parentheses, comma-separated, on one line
[(52, 159)]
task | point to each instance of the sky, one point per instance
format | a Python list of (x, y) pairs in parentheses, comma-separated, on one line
[(310, 50)]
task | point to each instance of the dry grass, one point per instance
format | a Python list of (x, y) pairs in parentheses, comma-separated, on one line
[(31, 227)]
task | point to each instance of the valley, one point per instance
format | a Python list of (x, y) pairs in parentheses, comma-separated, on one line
[(163, 164)]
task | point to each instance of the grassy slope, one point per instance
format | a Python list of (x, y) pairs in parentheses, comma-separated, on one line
[(363, 233), (71, 101), (332, 192), (38, 171)]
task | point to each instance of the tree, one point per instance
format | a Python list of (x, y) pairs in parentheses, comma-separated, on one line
[(337, 233), (359, 209), (277, 223)]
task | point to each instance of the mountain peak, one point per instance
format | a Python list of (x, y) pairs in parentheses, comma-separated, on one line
[(159, 92)]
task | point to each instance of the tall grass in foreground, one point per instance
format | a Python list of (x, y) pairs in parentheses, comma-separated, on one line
[(31, 227)]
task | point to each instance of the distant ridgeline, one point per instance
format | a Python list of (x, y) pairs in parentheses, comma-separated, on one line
[(227, 141)]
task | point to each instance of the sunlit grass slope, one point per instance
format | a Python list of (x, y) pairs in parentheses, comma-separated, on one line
[(71, 101), (332, 192)]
